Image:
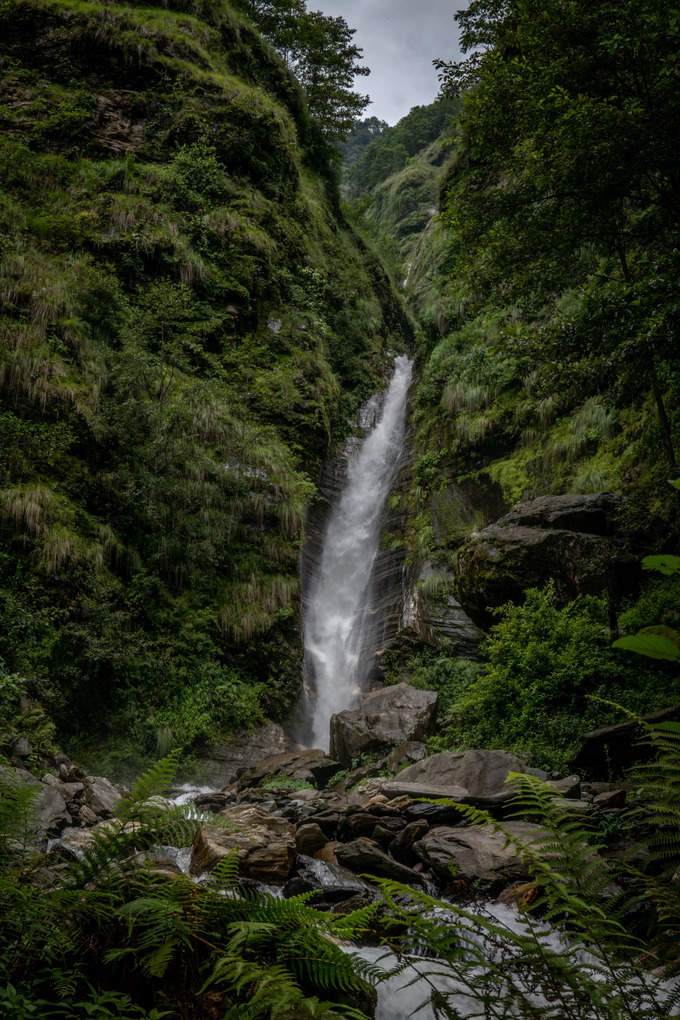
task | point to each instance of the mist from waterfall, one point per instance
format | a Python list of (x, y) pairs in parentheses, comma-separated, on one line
[(340, 628)]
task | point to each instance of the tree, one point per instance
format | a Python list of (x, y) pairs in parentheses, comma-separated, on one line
[(566, 166), (320, 52)]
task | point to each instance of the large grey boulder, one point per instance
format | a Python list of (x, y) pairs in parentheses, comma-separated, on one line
[(473, 777), (571, 540), (50, 814), (220, 764), (310, 766), (385, 718), (101, 796), (476, 856), (266, 844)]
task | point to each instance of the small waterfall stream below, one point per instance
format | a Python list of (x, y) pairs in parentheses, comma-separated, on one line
[(340, 626)]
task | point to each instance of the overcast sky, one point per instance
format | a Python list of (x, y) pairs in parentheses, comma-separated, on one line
[(400, 39)]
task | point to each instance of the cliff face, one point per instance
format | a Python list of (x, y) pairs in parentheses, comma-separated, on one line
[(187, 325)]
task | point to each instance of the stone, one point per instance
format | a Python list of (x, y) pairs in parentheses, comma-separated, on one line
[(571, 540), (611, 750), (266, 844), (570, 786), (330, 879), (323, 771), (295, 765), (402, 844), (477, 856), (406, 754), (361, 795), (385, 718), (101, 796), (474, 777), (219, 765), (434, 613), (611, 800), (594, 513), (21, 748), (49, 815), (365, 857), (399, 788), (213, 802), (327, 852), (309, 838), (87, 816)]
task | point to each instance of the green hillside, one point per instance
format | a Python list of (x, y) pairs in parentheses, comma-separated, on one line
[(187, 325)]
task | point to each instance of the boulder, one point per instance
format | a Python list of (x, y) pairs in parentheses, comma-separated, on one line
[(333, 882), (570, 786), (402, 844), (406, 754), (101, 796), (545, 539), (365, 857), (610, 800), (400, 788), (594, 513), (219, 765), (309, 838), (473, 777), (612, 750), (266, 843), (50, 814), (477, 856), (291, 765), (385, 718)]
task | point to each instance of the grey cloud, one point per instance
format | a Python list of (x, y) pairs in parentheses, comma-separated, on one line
[(400, 39)]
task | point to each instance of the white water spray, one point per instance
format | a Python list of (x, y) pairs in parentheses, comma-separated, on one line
[(339, 630)]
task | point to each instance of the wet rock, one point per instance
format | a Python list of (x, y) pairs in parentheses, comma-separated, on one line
[(266, 843), (477, 856), (213, 802), (330, 879), (385, 718), (364, 857), (401, 846), (474, 777), (309, 838), (327, 821), (101, 796)]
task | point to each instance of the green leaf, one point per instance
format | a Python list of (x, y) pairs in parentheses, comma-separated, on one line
[(664, 563), (654, 646)]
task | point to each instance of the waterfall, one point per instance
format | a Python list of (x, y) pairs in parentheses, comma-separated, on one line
[(340, 625)]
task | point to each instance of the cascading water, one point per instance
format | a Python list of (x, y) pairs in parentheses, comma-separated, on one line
[(340, 628)]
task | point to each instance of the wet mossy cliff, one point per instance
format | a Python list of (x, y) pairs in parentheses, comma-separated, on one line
[(187, 326)]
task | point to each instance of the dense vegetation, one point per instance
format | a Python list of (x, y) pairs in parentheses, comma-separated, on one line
[(546, 293), (187, 324)]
